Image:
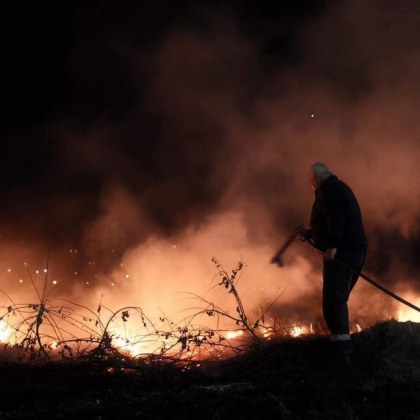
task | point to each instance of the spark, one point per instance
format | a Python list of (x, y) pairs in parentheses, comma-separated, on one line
[(296, 331), (234, 334), (266, 333)]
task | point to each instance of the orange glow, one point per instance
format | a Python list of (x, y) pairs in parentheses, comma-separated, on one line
[(297, 331), (180, 296), (125, 346), (409, 314), (6, 332), (230, 335)]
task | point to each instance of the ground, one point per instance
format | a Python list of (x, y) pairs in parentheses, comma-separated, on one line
[(284, 379)]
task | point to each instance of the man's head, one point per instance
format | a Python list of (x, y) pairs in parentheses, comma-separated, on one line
[(318, 173)]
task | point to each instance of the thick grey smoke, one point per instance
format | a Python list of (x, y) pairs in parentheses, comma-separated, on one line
[(211, 153)]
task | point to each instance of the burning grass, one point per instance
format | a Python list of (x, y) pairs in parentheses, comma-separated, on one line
[(50, 331), (65, 359), (285, 378)]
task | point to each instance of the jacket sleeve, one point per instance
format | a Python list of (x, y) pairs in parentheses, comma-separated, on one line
[(334, 212)]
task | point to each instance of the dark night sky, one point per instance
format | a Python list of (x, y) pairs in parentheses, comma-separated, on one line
[(58, 59), (63, 64)]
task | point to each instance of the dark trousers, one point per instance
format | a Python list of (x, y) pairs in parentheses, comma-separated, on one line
[(339, 281)]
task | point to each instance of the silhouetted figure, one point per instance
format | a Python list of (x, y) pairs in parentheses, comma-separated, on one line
[(336, 228)]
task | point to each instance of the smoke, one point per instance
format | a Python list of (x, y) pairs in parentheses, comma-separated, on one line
[(210, 158)]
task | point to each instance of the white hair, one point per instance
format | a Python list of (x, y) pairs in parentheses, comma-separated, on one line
[(321, 171)]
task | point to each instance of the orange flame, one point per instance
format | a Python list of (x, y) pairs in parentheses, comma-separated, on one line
[(5, 332)]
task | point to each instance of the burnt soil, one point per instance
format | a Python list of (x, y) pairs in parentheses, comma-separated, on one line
[(283, 379)]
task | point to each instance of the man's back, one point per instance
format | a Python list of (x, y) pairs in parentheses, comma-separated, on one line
[(336, 220)]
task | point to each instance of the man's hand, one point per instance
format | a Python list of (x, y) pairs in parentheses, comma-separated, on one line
[(303, 233), (329, 253)]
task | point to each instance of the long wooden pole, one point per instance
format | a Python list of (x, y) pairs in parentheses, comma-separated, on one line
[(369, 280)]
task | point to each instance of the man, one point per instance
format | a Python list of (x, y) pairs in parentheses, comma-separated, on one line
[(336, 228)]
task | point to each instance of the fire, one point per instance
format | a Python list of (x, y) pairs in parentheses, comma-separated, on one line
[(405, 313), (266, 332), (409, 315), (136, 335), (125, 345), (230, 335), (5, 332), (297, 331)]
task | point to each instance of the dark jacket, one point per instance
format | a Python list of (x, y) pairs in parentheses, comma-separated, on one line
[(336, 220)]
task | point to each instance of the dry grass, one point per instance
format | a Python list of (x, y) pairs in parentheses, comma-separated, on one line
[(89, 370)]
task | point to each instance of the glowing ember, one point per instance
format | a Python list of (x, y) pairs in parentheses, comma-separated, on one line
[(5, 332), (132, 334), (296, 331), (230, 335), (123, 344), (266, 333), (409, 315)]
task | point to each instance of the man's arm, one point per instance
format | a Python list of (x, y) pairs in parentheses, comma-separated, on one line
[(334, 212)]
